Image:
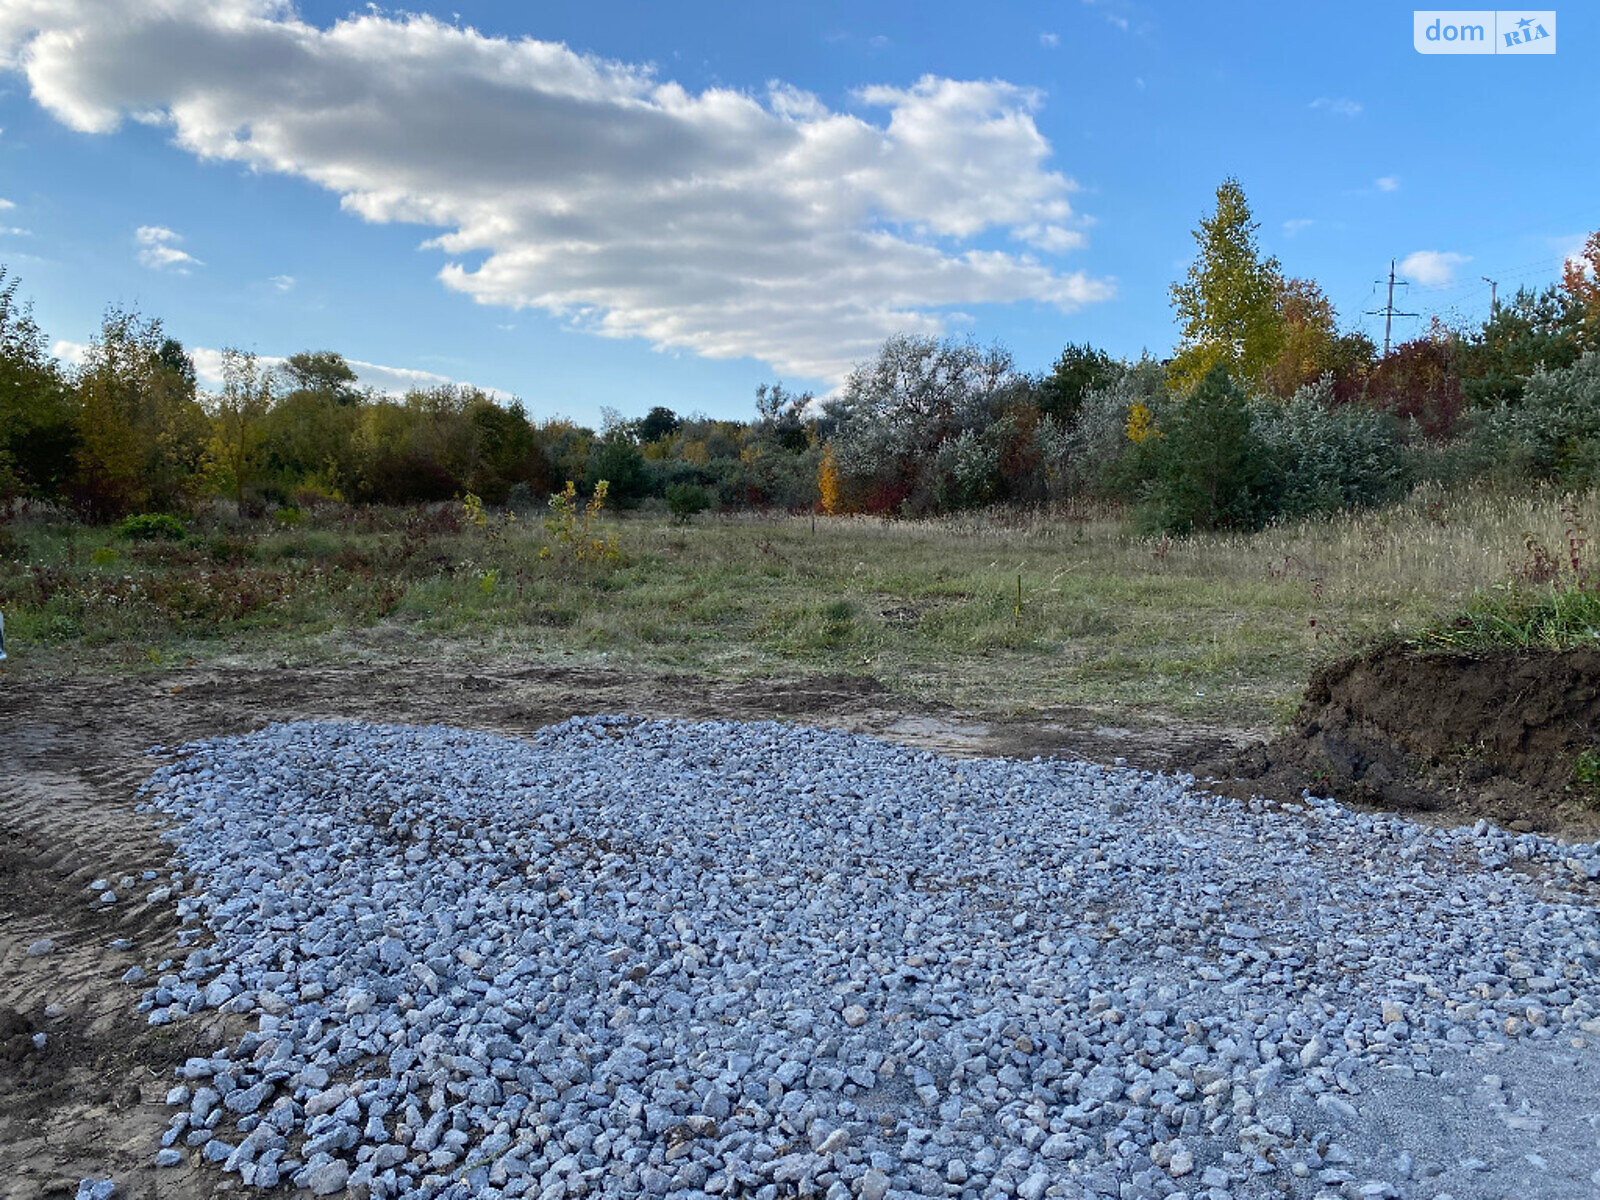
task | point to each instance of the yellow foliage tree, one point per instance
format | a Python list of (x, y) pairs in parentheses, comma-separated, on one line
[(1227, 308), (1141, 423), (828, 483)]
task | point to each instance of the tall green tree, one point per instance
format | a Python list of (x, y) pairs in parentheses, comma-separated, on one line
[(238, 415), (1212, 469), (1228, 306), (1079, 370), (38, 420), (1533, 329), (323, 372), (660, 422)]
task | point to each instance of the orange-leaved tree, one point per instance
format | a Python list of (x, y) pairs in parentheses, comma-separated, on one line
[(1580, 279)]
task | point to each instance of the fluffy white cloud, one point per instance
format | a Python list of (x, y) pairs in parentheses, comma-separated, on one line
[(1387, 183), (1341, 106), (283, 283), (1050, 41), (158, 249), (5, 204), (718, 222), (1433, 268)]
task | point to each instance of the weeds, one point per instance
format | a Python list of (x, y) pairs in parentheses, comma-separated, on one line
[(574, 531), (1551, 603), (1586, 774)]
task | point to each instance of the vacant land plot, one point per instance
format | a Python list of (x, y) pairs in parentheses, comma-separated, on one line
[(1059, 634), (1003, 615)]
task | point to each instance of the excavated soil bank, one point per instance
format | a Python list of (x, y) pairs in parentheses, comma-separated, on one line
[(1496, 735)]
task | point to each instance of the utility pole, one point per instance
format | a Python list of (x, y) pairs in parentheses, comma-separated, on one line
[(1388, 310), (1494, 290)]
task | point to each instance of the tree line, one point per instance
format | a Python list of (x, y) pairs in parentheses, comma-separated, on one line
[(1265, 409)]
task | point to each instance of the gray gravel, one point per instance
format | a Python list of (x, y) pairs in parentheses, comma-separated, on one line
[(645, 958)]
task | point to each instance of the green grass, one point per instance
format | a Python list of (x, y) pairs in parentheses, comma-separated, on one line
[(1510, 618), (1223, 629)]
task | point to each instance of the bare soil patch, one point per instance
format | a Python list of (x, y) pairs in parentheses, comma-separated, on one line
[(1453, 737)]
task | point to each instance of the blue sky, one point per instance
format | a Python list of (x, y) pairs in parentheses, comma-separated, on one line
[(625, 205)]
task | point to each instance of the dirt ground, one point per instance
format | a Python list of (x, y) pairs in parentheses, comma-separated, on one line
[(73, 751), (1447, 737)]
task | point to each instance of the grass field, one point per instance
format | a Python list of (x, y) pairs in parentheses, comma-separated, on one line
[(1223, 629)]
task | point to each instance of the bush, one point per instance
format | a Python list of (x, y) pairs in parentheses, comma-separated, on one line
[(1551, 433), (1331, 458), (1210, 469), (1082, 456), (151, 527), (685, 500)]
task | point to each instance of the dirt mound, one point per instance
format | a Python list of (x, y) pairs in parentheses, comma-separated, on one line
[(1495, 735)]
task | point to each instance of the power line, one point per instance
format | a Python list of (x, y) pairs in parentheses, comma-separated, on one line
[(1388, 310)]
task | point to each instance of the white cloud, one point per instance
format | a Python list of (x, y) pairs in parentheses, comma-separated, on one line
[(158, 249), (1579, 263), (1341, 106), (15, 231), (719, 222), (1049, 40), (1296, 224), (5, 204), (1387, 183), (284, 283), (393, 381), (70, 354), (1124, 15), (1433, 268)]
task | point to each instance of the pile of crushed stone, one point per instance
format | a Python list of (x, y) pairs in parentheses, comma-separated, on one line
[(643, 958)]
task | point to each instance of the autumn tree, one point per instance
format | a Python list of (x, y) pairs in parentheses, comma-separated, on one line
[(1580, 280), (142, 433), (1311, 346), (1228, 307), (1419, 381)]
